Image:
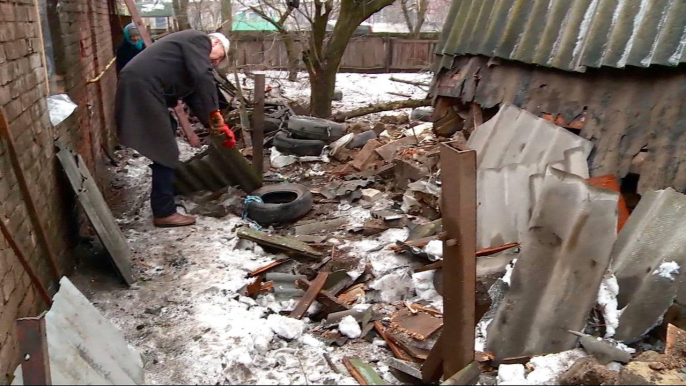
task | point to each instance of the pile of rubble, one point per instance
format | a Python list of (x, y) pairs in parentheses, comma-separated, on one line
[(570, 288)]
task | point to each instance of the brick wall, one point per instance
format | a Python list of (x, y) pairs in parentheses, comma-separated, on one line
[(83, 47)]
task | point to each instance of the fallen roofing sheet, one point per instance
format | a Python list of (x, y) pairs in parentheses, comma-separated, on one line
[(563, 259), (568, 34), (215, 169), (506, 197), (84, 348), (515, 136), (649, 260)]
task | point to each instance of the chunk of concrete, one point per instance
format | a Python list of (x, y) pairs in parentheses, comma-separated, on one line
[(367, 156)]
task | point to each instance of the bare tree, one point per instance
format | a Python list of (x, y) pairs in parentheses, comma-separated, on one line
[(181, 12), (227, 17), (414, 12)]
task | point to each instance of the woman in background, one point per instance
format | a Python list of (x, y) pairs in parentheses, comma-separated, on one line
[(130, 47)]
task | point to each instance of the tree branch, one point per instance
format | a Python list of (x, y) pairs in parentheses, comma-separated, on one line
[(406, 14)]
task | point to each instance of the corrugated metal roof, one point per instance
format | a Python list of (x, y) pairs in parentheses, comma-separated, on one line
[(655, 234), (563, 258), (569, 34), (517, 136), (84, 348)]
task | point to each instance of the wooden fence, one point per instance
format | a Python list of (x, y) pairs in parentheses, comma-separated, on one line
[(370, 53)]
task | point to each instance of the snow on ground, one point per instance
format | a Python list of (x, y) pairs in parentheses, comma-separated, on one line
[(607, 300), (359, 90)]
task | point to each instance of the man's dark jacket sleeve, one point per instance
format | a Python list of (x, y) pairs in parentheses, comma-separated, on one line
[(204, 100)]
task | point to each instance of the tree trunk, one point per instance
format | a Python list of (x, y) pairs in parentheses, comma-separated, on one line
[(227, 17), (181, 12), (292, 57), (421, 18), (322, 86)]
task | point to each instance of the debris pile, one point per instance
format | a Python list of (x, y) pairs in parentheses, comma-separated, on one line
[(570, 287)]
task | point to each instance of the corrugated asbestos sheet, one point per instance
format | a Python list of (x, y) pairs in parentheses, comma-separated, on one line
[(562, 262), (514, 149), (569, 34), (84, 348), (626, 110), (654, 235), (517, 136)]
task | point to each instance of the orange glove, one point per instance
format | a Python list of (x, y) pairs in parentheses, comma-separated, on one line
[(216, 119), (230, 141)]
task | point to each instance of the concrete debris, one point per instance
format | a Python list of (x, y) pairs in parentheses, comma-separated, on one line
[(389, 150), (367, 156)]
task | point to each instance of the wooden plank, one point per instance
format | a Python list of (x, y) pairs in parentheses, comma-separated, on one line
[(458, 204), (33, 345), (282, 243), (467, 376), (310, 296), (432, 368), (362, 372), (395, 349), (258, 125), (330, 303), (97, 211)]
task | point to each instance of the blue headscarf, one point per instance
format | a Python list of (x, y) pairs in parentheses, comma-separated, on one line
[(127, 36)]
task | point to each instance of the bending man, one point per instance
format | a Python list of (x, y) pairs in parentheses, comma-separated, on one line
[(178, 66)]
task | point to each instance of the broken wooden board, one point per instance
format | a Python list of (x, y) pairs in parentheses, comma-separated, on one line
[(310, 296), (330, 303), (409, 368), (397, 351), (418, 325), (97, 211), (362, 372), (281, 243)]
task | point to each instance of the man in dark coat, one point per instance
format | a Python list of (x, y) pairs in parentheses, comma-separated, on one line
[(178, 66)]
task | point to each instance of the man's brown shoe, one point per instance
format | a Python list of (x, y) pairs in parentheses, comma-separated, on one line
[(175, 220)]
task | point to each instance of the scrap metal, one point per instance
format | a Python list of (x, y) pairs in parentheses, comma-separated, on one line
[(556, 278), (653, 235), (33, 343)]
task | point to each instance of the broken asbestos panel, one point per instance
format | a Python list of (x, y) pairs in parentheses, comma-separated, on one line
[(648, 261), (506, 197), (285, 244), (85, 348), (562, 261), (517, 136)]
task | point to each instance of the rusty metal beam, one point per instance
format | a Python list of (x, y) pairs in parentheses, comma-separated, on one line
[(258, 125), (33, 345), (458, 205), (6, 134), (178, 110)]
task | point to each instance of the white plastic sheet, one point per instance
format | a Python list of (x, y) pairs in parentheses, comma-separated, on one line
[(60, 107)]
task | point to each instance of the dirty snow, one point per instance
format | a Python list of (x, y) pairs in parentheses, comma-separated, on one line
[(668, 270), (424, 287), (548, 368), (508, 272), (286, 327), (434, 249), (349, 327), (512, 375), (607, 300)]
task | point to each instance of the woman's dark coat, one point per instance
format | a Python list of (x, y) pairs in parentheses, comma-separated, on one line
[(125, 53), (174, 67)]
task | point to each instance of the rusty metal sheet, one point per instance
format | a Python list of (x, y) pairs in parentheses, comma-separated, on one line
[(563, 259), (626, 110), (506, 197), (570, 34), (418, 325), (652, 240), (85, 348)]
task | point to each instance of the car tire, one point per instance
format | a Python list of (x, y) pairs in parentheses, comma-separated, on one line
[(305, 127), (282, 203), (300, 147), (422, 114)]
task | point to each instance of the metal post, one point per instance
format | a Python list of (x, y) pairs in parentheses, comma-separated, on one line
[(33, 345), (458, 205), (258, 125), (180, 114)]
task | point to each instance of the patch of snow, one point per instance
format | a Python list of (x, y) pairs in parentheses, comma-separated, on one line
[(668, 270), (624, 347), (481, 335), (349, 327), (424, 287), (508, 272), (285, 327), (511, 375), (548, 368), (393, 287), (434, 249), (607, 300)]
